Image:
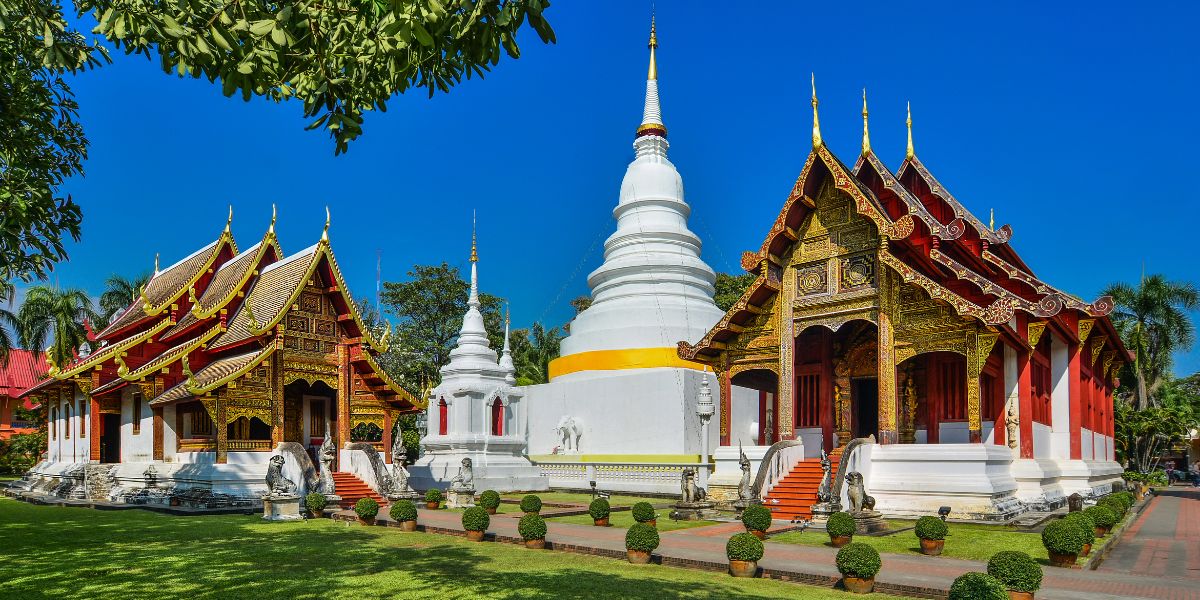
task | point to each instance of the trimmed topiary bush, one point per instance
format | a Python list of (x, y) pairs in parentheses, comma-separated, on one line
[(403, 510), (1085, 523), (1127, 497), (366, 508), (532, 527), (1063, 537), (977, 586), (1117, 505), (757, 517), (1016, 570), (642, 512), (489, 499), (1102, 516), (599, 509), (642, 537), (857, 559), (531, 504), (434, 495), (315, 503), (476, 519), (931, 528), (840, 523), (744, 546)]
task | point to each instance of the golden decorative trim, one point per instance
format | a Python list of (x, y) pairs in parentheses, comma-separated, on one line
[(1085, 329), (1097, 345), (97, 358), (152, 309), (143, 371), (200, 390), (269, 241), (1034, 332)]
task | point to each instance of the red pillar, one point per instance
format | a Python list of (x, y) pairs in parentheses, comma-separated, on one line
[(1025, 392), (1073, 358)]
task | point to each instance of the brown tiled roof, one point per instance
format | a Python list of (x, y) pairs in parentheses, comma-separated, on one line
[(224, 283), (166, 285), (270, 295), (211, 373)]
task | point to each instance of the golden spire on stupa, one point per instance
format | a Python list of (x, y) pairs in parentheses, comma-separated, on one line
[(909, 152), (866, 141), (474, 252), (653, 73), (816, 121)]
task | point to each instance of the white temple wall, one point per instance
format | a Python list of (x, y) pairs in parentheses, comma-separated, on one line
[(743, 416), (814, 441), (915, 480), (170, 436), (1086, 440), (1060, 399), (137, 444), (1041, 441)]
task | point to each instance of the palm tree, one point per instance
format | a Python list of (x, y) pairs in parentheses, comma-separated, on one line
[(8, 321), (1152, 320), (120, 292), (533, 357), (51, 312)]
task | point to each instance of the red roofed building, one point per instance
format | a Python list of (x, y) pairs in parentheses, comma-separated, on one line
[(25, 368)]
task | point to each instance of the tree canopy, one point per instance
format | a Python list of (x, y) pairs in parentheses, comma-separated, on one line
[(56, 316), (1153, 322), (730, 288), (119, 293)]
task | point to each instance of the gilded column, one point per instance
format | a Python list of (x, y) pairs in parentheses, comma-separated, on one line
[(785, 399), (387, 435), (94, 427), (277, 403), (343, 395), (889, 291), (222, 427), (726, 405), (979, 346)]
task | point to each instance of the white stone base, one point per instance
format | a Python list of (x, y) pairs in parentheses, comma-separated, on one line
[(460, 498), (282, 508), (1038, 483), (502, 473), (913, 480)]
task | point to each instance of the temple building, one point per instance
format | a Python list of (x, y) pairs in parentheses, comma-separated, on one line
[(24, 369), (226, 354), (883, 308)]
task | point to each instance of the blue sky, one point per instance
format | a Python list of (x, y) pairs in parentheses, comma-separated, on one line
[(1075, 123)]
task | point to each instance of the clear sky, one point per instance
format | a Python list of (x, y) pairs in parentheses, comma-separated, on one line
[(1076, 123)]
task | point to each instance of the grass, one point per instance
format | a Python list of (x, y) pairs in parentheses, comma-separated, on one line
[(585, 498), (53, 552), (966, 540), (624, 519)]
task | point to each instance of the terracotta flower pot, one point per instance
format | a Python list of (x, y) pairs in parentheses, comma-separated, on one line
[(535, 544), (637, 557), (652, 522), (858, 585), (1015, 595), (1087, 549), (407, 525), (840, 540), (475, 536), (492, 510), (1101, 531), (432, 505), (362, 521), (758, 533), (1063, 560), (932, 547), (600, 522), (743, 568)]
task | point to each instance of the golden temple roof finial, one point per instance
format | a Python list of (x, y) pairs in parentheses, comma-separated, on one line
[(866, 142), (909, 152), (816, 121), (653, 73), (474, 253), (271, 229), (229, 221), (992, 219), (325, 232), (156, 263)]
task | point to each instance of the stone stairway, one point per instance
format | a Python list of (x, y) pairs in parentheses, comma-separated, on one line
[(794, 495), (351, 489)]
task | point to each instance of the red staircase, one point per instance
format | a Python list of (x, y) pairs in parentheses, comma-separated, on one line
[(794, 495), (351, 489)]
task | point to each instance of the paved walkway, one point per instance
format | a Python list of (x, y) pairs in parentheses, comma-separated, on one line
[(1164, 542), (704, 548)]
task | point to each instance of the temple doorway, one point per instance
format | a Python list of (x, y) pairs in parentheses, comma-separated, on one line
[(110, 439), (864, 393)]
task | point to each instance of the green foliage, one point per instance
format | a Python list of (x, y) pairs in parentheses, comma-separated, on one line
[(315, 503), (531, 504), (744, 546), (840, 523), (1086, 525), (20, 453), (1063, 537), (1127, 497), (489, 499), (931, 528), (1140, 436), (756, 517), (1101, 516), (1016, 570), (1116, 505), (532, 527), (643, 511), (1155, 477), (532, 350), (599, 509), (977, 586), (641, 536), (433, 495), (119, 293), (58, 315), (366, 508), (403, 510), (730, 288), (858, 560), (1153, 321), (476, 518)]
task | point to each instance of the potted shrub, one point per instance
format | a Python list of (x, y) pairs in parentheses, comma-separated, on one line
[(433, 498), (600, 510), (490, 501), (531, 504), (932, 533), (640, 541), (404, 513), (315, 503), (1116, 505), (840, 527), (858, 563), (1018, 572), (1103, 517), (744, 550), (977, 586), (475, 521), (1064, 541), (1088, 526), (532, 528), (757, 519), (644, 513), (366, 509)]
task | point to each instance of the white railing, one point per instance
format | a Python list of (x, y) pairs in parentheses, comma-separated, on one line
[(655, 478), (776, 464)]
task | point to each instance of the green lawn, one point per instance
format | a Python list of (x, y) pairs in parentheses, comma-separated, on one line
[(52, 552), (583, 498), (624, 519)]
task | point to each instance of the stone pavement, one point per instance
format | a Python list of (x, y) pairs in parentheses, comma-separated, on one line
[(1164, 542), (915, 576)]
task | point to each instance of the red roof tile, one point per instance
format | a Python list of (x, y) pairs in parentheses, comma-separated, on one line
[(25, 369)]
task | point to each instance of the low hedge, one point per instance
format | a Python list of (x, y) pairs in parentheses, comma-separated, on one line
[(531, 504), (931, 528), (1062, 536), (489, 499), (599, 509), (641, 536), (403, 510), (315, 503), (1102, 516), (977, 586), (366, 508), (840, 523), (1086, 524), (744, 546), (857, 559), (1016, 570), (532, 527), (433, 495), (757, 517), (1128, 498), (642, 512), (476, 519)]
